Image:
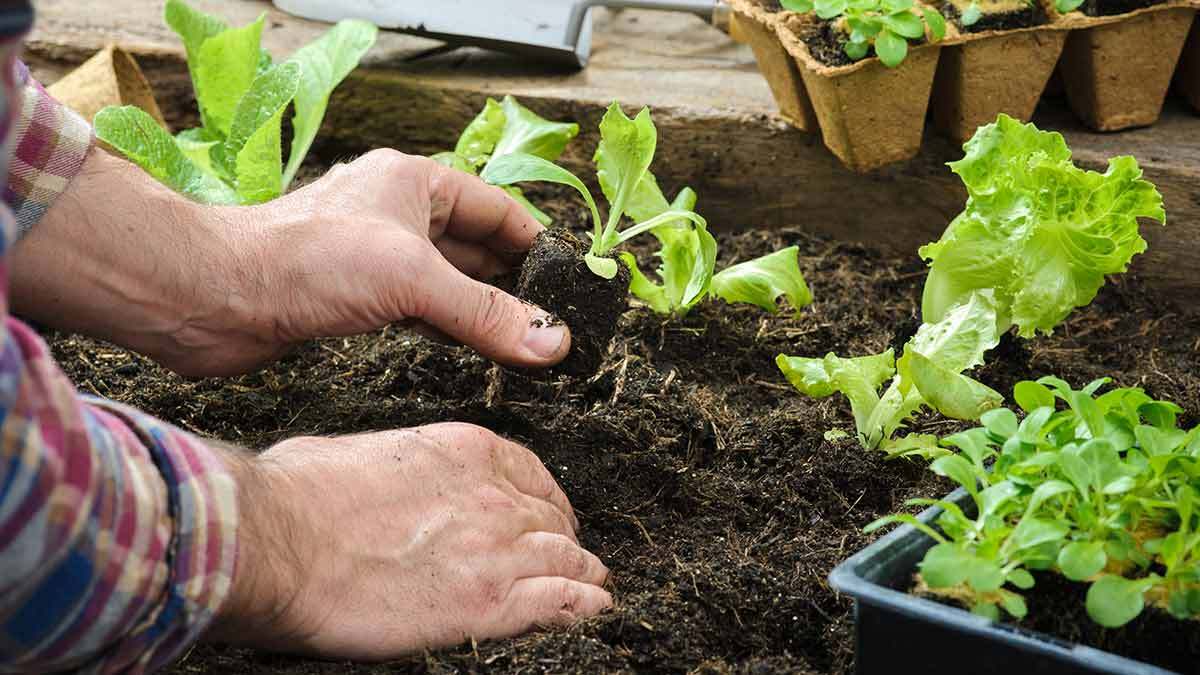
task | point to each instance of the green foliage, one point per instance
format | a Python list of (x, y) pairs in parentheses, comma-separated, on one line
[(1065, 6), (687, 251), (1101, 488), (236, 156), (1039, 231), (507, 128), (887, 25), (1036, 239)]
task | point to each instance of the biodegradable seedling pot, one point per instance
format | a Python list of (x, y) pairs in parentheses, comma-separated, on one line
[(1117, 69), (993, 72), (111, 77), (1187, 76), (870, 115), (755, 26), (896, 632)]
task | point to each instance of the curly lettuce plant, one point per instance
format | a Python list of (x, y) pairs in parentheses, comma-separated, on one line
[(1036, 239), (1102, 491), (887, 25), (687, 251), (506, 128), (235, 157)]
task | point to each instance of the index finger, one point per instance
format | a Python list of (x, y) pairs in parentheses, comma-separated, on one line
[(466, 208)]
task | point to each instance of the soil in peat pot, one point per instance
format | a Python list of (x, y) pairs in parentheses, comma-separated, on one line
[(827, 44), (1111, 7), (995, 14), (700, 477), (556, 278)]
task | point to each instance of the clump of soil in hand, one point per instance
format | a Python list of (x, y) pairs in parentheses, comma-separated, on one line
[(556, 278), (1111, 7)]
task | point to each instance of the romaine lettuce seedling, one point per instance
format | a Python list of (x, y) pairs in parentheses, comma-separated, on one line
[(1036, 239), (688, 251), (506, 128), (1102, 492), (887, 25), (235, 157)]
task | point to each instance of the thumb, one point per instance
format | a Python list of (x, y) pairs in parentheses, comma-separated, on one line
[(494, 323)]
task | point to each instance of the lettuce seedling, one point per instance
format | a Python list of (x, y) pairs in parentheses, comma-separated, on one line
[(1036, 239), (688, 251), (1102, 492), (506, 128), (235, 157), (886, 25)]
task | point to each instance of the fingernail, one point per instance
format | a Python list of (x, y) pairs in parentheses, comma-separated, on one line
[(545, 335)]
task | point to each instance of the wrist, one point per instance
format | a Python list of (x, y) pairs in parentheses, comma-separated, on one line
[(121, 257), (266, 572)]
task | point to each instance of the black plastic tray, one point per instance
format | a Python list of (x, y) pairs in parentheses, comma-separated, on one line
[(896, 632)]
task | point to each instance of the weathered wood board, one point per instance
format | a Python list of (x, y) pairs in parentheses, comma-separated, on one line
[(718, 129)]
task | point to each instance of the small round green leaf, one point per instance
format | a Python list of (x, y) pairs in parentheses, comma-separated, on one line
[(1001, 423), (1021, 578), (856, 50), (905, 24), (945, 565), (1114, 601), (971, 15), (1013, 604), (802, 6), (1031, 396), (1081, 560), (936, 23), (890, 48)]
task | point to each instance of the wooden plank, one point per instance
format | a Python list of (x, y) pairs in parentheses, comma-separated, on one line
[(718, 129)]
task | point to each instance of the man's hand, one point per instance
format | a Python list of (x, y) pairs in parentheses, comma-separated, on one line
[(220, 290), (368, 547)]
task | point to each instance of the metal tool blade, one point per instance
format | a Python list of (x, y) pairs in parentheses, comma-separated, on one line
[(538, 28)]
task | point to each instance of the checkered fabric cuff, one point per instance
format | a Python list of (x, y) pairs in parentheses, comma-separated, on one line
[(50, 145)]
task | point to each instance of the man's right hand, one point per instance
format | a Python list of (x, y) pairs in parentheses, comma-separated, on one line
[(372, 546)]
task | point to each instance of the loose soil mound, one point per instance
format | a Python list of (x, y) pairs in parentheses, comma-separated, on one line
[(700, 477)]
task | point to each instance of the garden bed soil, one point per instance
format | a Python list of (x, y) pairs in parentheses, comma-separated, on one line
[(701, 478)]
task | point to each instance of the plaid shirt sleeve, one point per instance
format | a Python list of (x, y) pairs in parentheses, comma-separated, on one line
[(117, 531), (51, 142)]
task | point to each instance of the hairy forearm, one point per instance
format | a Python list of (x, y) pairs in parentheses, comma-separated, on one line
[(120, 257)]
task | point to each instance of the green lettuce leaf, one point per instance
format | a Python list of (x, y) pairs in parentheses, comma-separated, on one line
[(687, 255), (762, 280), (1038, 230), (524, 131), (324, 63), (477, 141), (929, 372), (858, 379), (519, 167), (197, 144), (192, 26), (622, 160), (134, 133), (254, 140), (223, 71)]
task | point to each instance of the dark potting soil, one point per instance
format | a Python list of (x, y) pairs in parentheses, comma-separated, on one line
[(556, 278), (1111, 7), (701, 478), (1030, 15), (827, 44), (1057, 607)]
